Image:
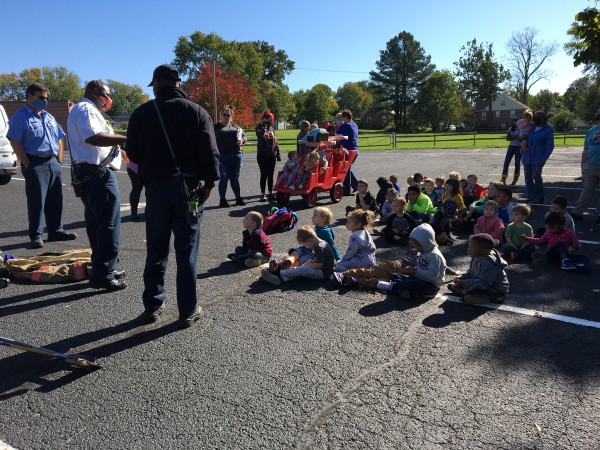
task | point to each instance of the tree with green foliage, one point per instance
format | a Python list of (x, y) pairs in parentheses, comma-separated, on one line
[(563, 120), (277, 99), (256, 60), (401, 70), (584, 46), (547, 101), (299, 99), (355, 97), (439, 102), (125, 97), (62, 84), (478, 72), (319, 104), (527, 55), (582, 97)]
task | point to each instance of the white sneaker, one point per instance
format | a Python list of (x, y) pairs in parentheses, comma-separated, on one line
[(270, 277), (251, 262)]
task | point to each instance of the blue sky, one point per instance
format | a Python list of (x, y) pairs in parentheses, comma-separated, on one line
[(331, 42)]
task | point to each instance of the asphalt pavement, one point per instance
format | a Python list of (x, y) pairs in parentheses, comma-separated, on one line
[(306, 364)]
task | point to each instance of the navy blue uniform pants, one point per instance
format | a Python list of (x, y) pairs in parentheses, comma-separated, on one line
[(166, 215)]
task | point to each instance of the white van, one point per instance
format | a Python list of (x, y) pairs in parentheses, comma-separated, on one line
[(8, 159)]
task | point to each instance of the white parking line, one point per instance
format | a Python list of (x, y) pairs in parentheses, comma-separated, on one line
[(528, 312)]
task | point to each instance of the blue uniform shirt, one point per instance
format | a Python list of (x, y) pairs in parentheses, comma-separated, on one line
[(38, 134)]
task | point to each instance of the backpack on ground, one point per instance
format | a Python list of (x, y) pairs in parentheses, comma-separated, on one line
[(279, 220)]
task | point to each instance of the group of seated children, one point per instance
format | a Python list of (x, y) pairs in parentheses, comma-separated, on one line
[(416, 219)]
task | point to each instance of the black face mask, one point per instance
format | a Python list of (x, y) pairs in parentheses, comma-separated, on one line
[(537, 121), (597, 117)]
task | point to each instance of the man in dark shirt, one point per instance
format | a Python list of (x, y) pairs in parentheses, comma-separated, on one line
[(182, 154)]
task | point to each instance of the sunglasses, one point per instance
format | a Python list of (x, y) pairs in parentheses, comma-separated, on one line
[(226, 115)]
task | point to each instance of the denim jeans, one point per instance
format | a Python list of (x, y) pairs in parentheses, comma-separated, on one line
[(301, 272), (166, 214), (229, 167), (513, 150), (522, 253), (534, 182), (350, 181), (418, 288), (43, 188), (102, 220), (242, 255)]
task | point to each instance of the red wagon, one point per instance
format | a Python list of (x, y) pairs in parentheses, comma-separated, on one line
[(332, 179)]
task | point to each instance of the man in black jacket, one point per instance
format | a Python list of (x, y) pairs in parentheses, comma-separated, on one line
[(173, 158)]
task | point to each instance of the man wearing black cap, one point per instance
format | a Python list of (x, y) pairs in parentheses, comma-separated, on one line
[(172, 140)]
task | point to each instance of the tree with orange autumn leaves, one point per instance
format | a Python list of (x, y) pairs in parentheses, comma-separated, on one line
[(232, 89)]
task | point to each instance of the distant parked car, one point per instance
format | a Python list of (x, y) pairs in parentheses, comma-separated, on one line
[(452, 128), (8, 159)]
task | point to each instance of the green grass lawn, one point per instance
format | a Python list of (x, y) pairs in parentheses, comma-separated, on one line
[(378, 140)]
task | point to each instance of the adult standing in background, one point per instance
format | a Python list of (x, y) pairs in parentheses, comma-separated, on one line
[(267, 154), (513, 150), (171, 160), (590, 170), (36, 139), (304, 128), (540, 144), (230, 141), (96, 155), (350, 129)]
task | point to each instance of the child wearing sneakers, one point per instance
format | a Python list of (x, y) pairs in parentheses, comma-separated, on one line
[(558, 204), (318, 267), (256, 246), (422, 278), (486, 280), (516, 247), (558, 242)]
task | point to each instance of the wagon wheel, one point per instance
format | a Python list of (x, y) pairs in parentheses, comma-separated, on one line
[(283, 198), (311, 198), (337, 192)]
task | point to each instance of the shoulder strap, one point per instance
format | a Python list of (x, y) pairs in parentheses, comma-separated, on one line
[(162, 124)]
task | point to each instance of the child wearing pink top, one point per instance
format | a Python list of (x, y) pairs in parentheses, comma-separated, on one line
[(490, 223), (558, 241)]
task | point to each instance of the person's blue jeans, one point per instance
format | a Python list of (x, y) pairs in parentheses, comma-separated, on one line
[(102, 220), (43, 189), (534, 182), (242, 255), (166, 214), (229, 167), (522, 253), (350, 181), (418, 288), (512, 151)]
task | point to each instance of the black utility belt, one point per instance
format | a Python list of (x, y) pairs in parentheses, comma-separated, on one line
[(85, 165), (40, 158)]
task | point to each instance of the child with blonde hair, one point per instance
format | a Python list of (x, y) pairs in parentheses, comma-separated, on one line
[(322, 217), (361, 248), (318, 267), (305, 170), (290, 169)]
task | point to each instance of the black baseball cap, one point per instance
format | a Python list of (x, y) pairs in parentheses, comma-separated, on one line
[(165, 72)]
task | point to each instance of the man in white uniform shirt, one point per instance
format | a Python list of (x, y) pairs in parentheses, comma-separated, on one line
[(91, 140)]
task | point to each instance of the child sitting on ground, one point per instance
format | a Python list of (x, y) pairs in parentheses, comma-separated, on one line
[(440, 182), (420, 279), (485, 281), (558, 204), (400, 224), (516, 247), (490, 223), (384, 186), (311, 162), (473, 191), (418, 178), (364, 199), (394, 181), (386, 210), (558, 242), (448, 215), (505, 205), (318, 267), (290, 170), (256, 246), (419, 206), (322, 217), (429, 191), (361, 248)]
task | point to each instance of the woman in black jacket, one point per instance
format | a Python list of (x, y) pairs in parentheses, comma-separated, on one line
[(267, 154)]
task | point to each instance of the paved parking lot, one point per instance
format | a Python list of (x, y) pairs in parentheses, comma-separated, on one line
[(307, 365)]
